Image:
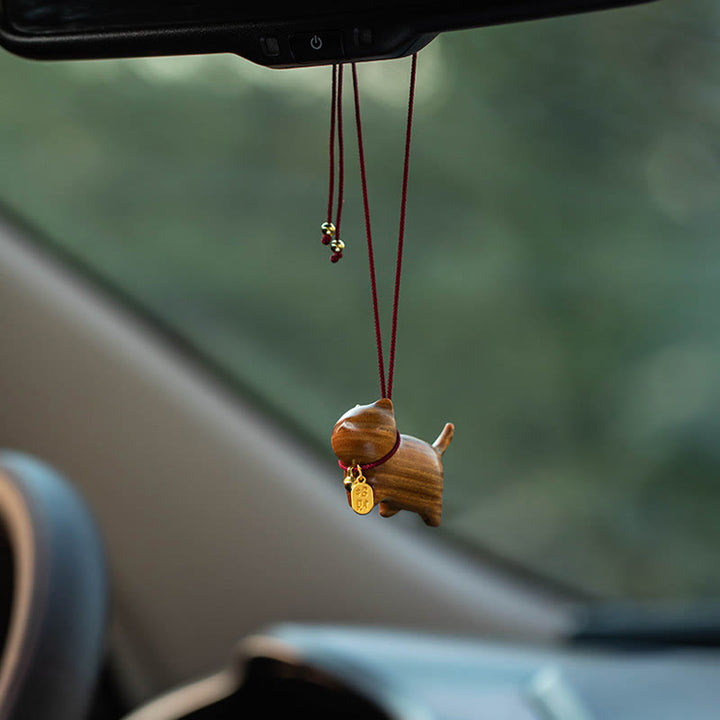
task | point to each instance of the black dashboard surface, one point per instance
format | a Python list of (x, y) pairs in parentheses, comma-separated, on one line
[(325, 673), (411, 676)]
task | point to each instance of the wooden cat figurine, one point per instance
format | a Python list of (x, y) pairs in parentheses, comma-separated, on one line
[(404, 473)]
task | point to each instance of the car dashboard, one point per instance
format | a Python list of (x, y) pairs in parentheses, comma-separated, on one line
[(377, 674)]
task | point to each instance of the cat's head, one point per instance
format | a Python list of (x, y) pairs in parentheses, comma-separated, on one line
[(365, 434)]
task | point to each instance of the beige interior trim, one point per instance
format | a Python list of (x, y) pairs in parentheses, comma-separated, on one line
[(189, 699)]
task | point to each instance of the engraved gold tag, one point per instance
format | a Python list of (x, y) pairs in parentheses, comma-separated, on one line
[(362, 499)]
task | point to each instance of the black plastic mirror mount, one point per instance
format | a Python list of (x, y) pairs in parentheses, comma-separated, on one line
[(275, 33)]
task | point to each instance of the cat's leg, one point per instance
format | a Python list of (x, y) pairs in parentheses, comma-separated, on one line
[(431, 518), (388, 509)]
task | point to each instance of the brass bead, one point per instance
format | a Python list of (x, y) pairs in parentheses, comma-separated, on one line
[(337, 245), (329, 229)]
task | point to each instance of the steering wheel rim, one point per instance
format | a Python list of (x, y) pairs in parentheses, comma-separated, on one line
[(58, 609)]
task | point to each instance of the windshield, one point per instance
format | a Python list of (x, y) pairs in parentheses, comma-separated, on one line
[(562, 277)]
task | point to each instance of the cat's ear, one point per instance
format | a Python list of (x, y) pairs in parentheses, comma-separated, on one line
[(384, 404)]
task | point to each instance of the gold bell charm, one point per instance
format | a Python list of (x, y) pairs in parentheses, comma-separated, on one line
[(328, 230), (336, 244)]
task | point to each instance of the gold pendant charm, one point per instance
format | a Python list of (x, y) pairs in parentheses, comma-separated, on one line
[(362, 498)]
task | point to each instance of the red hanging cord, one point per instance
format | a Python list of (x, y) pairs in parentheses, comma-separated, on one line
[(386, 388), (368, 230), (333, 115), (401, 232), (331, 231), (341, 149)]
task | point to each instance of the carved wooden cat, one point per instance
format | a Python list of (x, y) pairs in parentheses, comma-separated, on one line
[(411, 478)]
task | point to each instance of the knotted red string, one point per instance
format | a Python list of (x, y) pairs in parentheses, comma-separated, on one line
[(333, 130), (336, 137), (377, 463), (341, 150)]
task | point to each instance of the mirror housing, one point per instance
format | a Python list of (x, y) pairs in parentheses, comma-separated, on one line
[(274, 33)]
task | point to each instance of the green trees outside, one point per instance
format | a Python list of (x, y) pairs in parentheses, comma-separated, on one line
[(561, 299)]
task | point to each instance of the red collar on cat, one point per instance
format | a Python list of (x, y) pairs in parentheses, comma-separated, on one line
[(377, 463)]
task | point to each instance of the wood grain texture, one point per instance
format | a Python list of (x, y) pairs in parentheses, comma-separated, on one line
[(412, 479)]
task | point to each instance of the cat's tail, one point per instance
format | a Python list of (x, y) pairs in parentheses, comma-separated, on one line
[(444, 439)]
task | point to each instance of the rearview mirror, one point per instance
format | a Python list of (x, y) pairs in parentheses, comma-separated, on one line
[(277, 33)]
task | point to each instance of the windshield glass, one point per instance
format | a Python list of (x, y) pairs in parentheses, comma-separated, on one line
[(562, 277)]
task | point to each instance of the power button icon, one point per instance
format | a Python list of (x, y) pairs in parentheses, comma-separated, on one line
[(312, 47)]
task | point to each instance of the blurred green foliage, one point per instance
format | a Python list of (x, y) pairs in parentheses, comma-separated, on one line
[(561, 299)]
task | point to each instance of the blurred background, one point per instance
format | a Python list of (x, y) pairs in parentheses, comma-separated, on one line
[(562, 273)]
